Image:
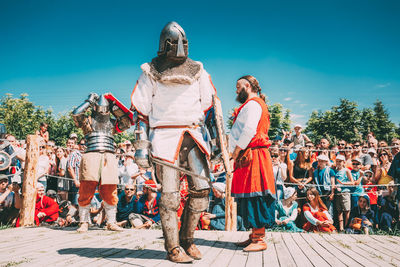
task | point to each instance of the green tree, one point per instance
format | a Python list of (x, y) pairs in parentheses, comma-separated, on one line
[(385, 128)]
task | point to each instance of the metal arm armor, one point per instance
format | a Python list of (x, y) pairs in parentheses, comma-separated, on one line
[(78, 114), (142, 143), (211, 127)]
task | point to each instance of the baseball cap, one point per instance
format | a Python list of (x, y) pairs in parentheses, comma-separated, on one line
[(323, 157), (127, 142), (371, 150), (357, 159), (340, 157), (219, 186), (73, 135), (151, 185), (298, 125), (3, 177)]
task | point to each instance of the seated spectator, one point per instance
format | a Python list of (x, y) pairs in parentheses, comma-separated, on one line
[(324, 178), (361, 217), (148, 215), (343, 199), (68, 214), (394, 172), (388, 209), (358, 189), (286, 210), (46, 209), (61, 168), (127, 204), (10, 201), (217, 216), (316, 214)]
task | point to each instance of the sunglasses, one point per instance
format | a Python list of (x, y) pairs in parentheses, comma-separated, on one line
[(384, 154), (356, 164), (349, 147), (356, 145), (129, 189), (274, 156), (42, 147), (342, 144), (309, 146)]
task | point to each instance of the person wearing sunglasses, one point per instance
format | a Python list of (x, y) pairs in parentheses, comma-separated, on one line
[(357, 190), (43, 165), (366, 160), (127, 204), (280, 172)]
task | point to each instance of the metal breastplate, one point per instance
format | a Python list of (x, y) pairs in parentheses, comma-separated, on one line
[(101, 138)]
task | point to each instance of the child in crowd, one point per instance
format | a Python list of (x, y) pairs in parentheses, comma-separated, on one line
[(361, 217), (358, 189), (372, 192), (389, 210), (316, 214), (286, 210), (343, 200), (324, 178), (280, 171)]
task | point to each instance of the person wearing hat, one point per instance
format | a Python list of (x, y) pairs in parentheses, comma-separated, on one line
[(362, 218), (299, 138), (217, 215), (371, 191), (129, 170), (343, 177), (148, 215), (358, 189), (324, 178), (10, 200), (381, 174), (286, 210)]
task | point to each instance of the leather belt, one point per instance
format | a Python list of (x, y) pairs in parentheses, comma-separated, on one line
[(176, 126)]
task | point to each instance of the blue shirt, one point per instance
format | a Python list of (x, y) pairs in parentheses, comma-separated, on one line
[(342, 176), (358, 190), (125, 208), (324, 182)]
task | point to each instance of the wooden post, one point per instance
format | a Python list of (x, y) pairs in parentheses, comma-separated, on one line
[(29, 185)]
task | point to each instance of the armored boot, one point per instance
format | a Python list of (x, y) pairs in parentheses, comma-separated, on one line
[(257, 240), (179, 256), (197, 202), (111, 213), (84, 219)]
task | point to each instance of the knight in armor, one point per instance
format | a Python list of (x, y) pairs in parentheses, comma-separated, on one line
[(99, 166), (172, 98)]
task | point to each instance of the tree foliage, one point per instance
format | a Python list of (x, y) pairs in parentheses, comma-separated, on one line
[(347, 122)]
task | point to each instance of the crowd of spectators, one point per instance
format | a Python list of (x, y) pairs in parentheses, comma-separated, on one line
[(323, 187)]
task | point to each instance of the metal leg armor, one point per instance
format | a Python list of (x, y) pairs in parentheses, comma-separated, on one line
[(170, 200), (199, 190)]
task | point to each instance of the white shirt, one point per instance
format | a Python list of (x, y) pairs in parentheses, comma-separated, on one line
[(126, 172), (311, 218), (43, 166), (173, 104), (245, 126), (278, 171)]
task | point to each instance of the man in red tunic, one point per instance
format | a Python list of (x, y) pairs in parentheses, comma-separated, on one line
[(253, 183)]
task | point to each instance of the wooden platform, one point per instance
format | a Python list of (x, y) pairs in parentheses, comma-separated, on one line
[(62, 247)]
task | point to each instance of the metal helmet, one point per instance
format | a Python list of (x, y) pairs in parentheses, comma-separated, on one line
[(102, 106), (173, 41)]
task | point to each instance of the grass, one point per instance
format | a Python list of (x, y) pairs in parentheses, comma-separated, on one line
[(5, 226), (15, 263)]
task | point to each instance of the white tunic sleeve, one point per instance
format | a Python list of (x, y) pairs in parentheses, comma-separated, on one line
[(142, 95), (245, 126), (207, 90)]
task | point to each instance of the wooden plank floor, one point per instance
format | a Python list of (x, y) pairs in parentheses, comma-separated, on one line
[(61, 247)]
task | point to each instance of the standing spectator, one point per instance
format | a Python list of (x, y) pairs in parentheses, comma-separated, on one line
[(394, 172), (286, 211), (357, 190), (280, 173), (17, 160), (342, 146), (127, 204), (148, 215), (361, 217), (129, 170), (10, 201), (43, 132), (43, 166), (372, 192), (284, 157), (73, 166), (389, 210), (343, 200), (61, 169), (71, 146), (299, 138), (395, 146), (316, 214), (366, 160), (382, 144), (302, 172), (375, 161), (348, 154), (324, 178), (381, 175)]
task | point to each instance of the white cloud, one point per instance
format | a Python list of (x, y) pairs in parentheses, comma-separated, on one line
[(383, 85), (303, 105), (296, 116), (296, 101), (287, 99)]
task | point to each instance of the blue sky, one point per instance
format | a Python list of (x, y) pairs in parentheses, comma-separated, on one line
[(306, 54)]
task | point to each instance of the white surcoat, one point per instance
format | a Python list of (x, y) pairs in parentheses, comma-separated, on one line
[(170, 107)]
